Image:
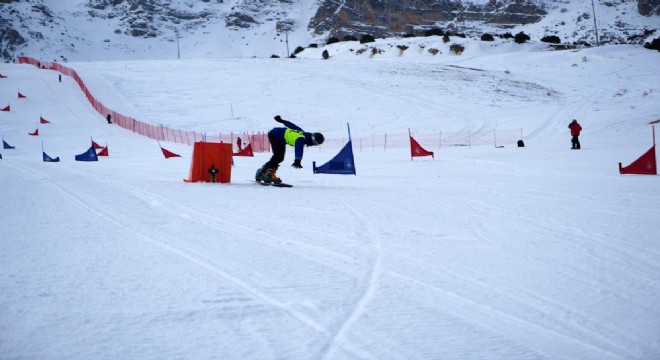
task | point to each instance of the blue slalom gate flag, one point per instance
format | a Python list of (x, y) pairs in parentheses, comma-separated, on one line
[(6, 146), (89, 155), (0, 156), (50, 159), (343, 163)]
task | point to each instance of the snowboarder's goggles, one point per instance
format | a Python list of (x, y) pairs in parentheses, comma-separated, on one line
[(316, 142)]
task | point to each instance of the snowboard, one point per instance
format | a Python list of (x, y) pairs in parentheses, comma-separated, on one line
[(283, 185)]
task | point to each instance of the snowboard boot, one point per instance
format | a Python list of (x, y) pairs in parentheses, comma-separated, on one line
[(260, 175), (271, 177)]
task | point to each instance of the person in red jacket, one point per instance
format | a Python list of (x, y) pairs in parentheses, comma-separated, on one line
[(575, 133)]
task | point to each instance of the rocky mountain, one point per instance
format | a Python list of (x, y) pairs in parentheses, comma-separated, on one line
[(388, 18), (115, 29)]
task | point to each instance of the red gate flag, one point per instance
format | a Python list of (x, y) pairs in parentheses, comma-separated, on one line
[(416, 150), (96, 146), (168, 154), (247, 151), (644, 165), (6, 108), (43, 121), (21, 96), (35, 133), (103, 152), (3, 76)]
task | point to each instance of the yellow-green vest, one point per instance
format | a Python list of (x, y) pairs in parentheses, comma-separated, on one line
[(290, 136)]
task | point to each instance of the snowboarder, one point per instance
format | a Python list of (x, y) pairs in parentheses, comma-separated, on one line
[(279, 137), (575, 133)]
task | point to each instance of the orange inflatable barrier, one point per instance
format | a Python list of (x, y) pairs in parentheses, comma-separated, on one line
[(207, 156)]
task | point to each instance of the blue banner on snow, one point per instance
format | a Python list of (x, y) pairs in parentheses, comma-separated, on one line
[(50, 159), (89, 155), (343, 163)]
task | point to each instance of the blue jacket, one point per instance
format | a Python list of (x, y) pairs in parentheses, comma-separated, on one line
[(293, 135)]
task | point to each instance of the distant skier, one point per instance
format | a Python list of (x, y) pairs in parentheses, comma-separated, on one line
[(279, 137), (239, 143), (575, 133)]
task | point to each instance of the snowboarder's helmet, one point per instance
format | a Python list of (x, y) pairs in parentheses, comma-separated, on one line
[(317, 138)]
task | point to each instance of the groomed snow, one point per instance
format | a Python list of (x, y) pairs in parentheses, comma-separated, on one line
[(539, 252)]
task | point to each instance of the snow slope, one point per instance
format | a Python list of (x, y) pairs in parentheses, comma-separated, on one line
[(483, 253)]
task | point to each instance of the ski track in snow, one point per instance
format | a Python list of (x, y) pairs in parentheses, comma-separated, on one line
[(170, 244), (558, 331), (232, 224), (575, 322), (340, 338), (564, 330)]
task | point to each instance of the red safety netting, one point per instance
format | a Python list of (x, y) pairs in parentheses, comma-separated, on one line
[(259, 141), (438, 140), (157, 132)]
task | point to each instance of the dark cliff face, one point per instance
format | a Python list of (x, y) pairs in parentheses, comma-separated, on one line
[(13, 33), (249, 13), (145, 18), (648, 7), (386, 18), (10, 39)]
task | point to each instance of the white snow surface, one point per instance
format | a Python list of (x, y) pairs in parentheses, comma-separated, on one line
[(539, 252)]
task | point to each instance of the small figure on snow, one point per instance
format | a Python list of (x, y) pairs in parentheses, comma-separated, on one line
[(213, 171), (279, 137), (575, 133), (239, 143)]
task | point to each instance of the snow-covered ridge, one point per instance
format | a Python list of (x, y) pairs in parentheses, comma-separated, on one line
[(155, 29)]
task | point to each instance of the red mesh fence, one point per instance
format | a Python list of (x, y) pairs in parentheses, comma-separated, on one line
[(259, 141), (498, 137), (157, 132)]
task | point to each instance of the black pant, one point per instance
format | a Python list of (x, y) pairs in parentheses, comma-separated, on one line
[(279, 149), (575, 142)]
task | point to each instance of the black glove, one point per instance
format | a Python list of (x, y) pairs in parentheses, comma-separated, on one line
[(296, 164), (278, 119)]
